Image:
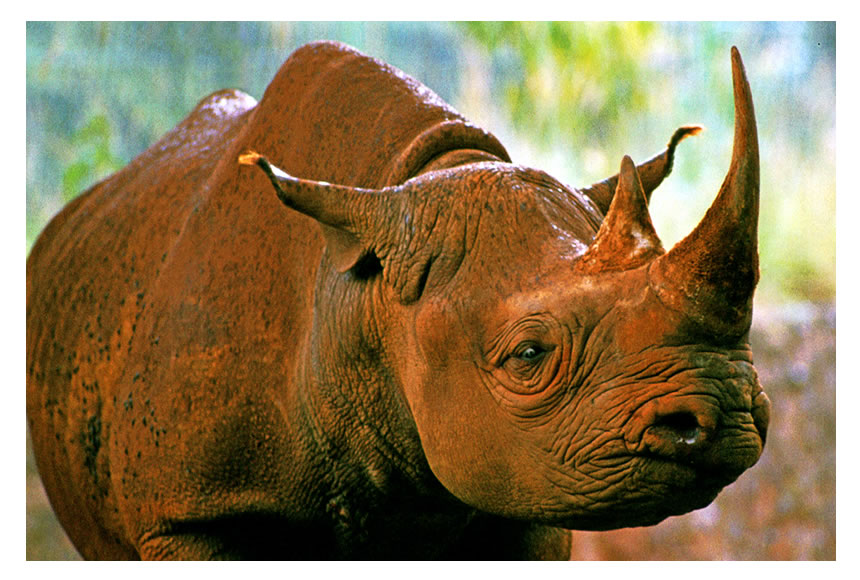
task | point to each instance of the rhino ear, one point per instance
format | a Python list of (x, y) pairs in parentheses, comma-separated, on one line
[(626, 238), (349, 216), (345, 249), (652, 172)]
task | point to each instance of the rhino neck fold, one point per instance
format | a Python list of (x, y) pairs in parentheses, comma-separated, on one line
[(348, 396), (445, 145), (362, 434)]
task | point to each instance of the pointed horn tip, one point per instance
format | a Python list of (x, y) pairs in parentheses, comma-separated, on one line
[(627, 163), (628, 173), (745, 123), (739, 73), (629, 178), (737, 62)]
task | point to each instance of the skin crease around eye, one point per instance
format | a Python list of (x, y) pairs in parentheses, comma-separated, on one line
[(524, 354)]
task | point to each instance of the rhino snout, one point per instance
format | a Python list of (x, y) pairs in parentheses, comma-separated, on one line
[(679, 432), (761, 414), (696, 431), (675, 427)]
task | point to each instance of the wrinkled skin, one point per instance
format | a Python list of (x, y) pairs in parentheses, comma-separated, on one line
[(433, 353), (576, 435)]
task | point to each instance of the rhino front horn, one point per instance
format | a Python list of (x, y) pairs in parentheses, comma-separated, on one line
[(711, 274)]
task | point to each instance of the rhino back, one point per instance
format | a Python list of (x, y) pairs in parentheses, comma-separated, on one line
[(367, 123), (91, 279)]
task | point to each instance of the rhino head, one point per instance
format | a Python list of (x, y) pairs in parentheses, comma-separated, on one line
[(559, 365)]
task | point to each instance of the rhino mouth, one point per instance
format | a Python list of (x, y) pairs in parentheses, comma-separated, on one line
[(681, 475), (659, 487), (681, 486), (657, 483), (699, 440), (723, 459), (677, 457), (695, 466)]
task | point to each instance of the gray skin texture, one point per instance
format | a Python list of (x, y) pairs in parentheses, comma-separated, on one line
[(443, 355)]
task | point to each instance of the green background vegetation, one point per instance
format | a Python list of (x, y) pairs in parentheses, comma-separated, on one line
[(569, 98)]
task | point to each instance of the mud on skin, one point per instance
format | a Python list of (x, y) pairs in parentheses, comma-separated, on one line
[(344, 324)]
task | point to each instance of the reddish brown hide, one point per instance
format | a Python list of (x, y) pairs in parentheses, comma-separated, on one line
[(433, 353)]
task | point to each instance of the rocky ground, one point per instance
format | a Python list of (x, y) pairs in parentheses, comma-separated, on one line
[(784, 508)]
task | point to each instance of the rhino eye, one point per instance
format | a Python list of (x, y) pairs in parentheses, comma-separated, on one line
[(526, 358), (530, 353)]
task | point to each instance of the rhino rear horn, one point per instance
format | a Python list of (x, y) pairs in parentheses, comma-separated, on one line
[(711, 274), (347, 214), (626, 238), (651, 172)]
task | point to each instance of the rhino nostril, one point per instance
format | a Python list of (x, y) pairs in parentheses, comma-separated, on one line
[(683, 427)]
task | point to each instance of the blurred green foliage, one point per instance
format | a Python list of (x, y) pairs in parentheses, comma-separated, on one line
[(570, 98), (95, 157), (559, 79)]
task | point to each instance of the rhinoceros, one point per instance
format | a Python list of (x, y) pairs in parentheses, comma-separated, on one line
[(430, 352)]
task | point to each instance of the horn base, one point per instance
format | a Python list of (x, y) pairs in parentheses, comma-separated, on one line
[(717, 308)]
